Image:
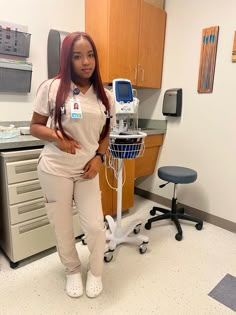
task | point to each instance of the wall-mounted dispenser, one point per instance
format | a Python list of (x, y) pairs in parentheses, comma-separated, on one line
[(172, 103), (14, 42), (55, 39), (15, 76)]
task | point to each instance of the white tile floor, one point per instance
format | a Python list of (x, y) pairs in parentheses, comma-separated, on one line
[(171, 278)]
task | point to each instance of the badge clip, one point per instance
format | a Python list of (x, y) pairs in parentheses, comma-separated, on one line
[(63, 110)]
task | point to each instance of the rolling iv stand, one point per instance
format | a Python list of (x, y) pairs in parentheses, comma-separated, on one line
[(124, 144)]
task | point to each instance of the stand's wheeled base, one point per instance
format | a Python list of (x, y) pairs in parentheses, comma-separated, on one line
[(115, 236)]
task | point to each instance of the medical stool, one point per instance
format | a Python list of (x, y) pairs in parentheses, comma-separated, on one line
[(176, 175)]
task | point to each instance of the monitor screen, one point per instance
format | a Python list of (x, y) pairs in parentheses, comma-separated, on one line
[(124, 91)]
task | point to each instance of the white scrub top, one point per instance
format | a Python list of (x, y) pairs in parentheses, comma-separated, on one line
[(86, 131)]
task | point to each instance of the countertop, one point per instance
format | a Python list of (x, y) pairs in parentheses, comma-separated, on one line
[(150, 127), (23, 141), (150, 131), (19, 142)]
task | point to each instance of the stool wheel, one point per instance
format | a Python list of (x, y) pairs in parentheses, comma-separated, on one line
[(108, 256), (199, 226), (106, 224), (147, 226), (152, 212), (83, 239), (178, 237), (137, 229), (143, 248)]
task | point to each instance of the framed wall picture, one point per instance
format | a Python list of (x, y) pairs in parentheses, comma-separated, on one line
[(208, 59), (234, 49)]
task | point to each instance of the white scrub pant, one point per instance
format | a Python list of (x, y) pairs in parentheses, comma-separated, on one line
[(59, 193)]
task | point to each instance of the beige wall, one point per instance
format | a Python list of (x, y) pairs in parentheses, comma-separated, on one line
[(204, 137), (40, 17)]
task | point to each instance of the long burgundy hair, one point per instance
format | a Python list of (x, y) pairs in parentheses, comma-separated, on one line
[(65, 75)]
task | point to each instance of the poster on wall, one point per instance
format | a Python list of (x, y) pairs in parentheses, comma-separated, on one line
[(234, 49), (208, 59)]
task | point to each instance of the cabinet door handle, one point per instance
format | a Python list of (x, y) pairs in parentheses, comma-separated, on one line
[(135, 74), (142, 79), (142, 75)]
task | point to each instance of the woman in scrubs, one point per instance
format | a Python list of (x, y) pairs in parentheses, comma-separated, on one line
[(72, 113)]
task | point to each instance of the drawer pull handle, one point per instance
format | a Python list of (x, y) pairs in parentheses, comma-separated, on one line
[(19, 169), (28, 188), (32, 207), (32, 226)]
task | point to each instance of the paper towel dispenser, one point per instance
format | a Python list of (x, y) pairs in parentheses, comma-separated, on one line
[(172, 103), (55, 39)]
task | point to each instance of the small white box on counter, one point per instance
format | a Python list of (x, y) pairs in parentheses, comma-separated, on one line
[(24, 130)]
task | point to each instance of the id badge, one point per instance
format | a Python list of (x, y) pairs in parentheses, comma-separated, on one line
[(75, 108)]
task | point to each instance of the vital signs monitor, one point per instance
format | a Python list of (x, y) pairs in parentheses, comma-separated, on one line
[(123, 93)]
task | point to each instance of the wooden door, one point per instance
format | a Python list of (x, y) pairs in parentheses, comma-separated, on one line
[(151, 45), (127, 189), (124, 16), (109, 195), (145, 165)]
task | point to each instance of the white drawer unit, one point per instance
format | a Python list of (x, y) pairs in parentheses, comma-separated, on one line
[(25, 191), (27, 210), (35, 236), (21, 171), (24, 226)]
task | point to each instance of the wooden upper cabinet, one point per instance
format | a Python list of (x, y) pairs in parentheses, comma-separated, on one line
[(96, 25), (123, 39), (151, 45), (129, 36)]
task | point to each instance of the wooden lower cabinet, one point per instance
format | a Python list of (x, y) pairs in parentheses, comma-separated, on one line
[(109, 195), (145, 165), (106, 191)]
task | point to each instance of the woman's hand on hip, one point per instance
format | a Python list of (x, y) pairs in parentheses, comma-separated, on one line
[(91, 169), (67, 145)]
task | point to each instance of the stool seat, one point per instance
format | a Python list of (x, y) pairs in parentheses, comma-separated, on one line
[(177, 174)]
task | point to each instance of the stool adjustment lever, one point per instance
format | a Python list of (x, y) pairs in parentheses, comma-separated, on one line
[(163, 185)]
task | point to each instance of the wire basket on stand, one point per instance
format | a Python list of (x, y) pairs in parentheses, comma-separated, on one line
[(124, 146), (127, 146)]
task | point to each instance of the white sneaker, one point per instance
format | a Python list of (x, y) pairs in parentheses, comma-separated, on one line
[(94, 285), (74, 285)]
